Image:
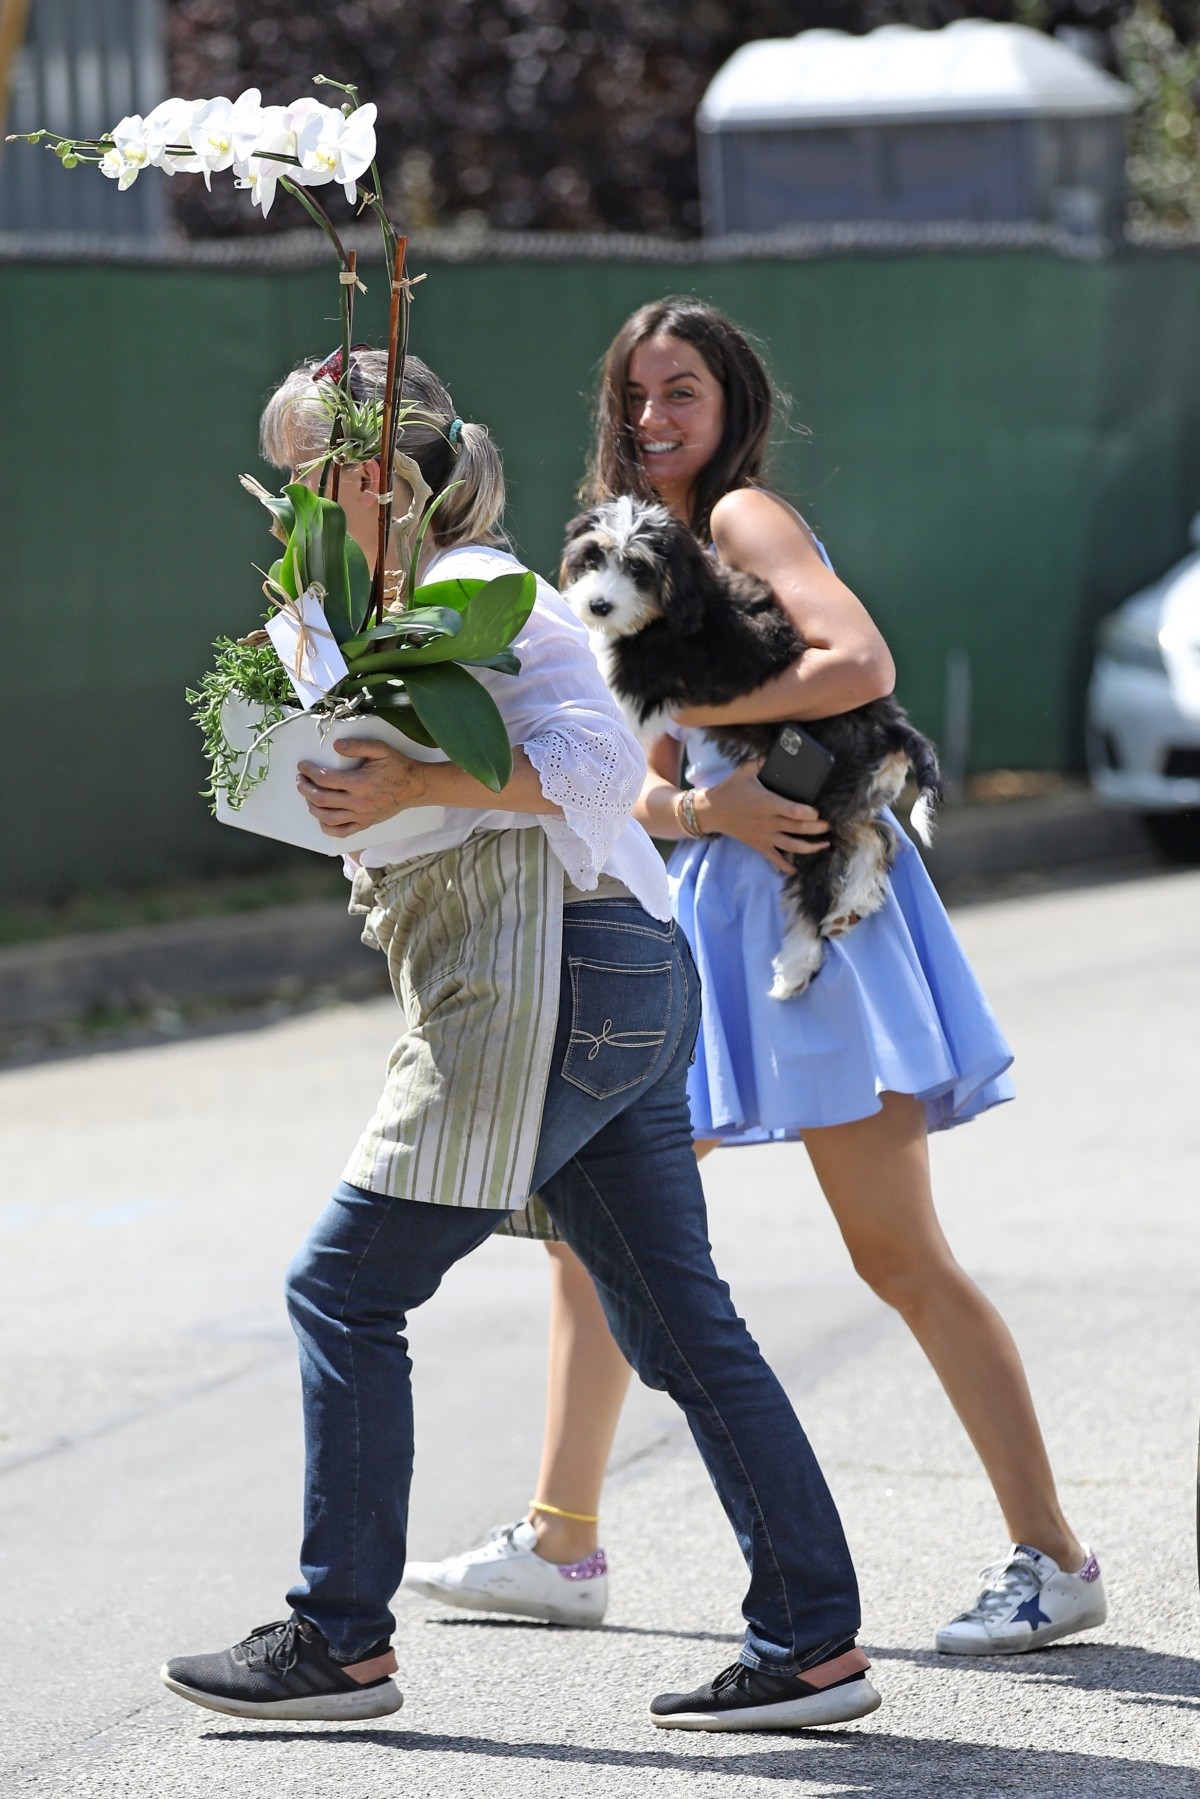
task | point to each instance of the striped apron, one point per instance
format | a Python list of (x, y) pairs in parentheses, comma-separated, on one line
[(473, 940)]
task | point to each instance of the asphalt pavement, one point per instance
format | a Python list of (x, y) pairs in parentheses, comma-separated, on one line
[(150, 1457)]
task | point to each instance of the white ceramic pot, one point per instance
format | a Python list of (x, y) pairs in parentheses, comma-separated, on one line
[(273, 806)]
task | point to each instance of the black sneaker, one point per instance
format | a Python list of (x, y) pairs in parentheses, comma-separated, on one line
[(285, 1670), (741, 1698)]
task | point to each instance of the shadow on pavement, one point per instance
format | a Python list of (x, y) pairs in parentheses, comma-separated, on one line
[(608, 1630), (1132, 1675), (867, 1762)]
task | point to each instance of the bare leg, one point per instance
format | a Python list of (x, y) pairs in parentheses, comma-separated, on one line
[(587, 1381), (586, 1386), (875, 1175)]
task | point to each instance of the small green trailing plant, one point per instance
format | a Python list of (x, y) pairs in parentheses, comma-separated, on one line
[(408, 650), (249, 671)]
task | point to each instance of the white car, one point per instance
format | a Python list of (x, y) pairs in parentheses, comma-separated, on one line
[(1143, 704)]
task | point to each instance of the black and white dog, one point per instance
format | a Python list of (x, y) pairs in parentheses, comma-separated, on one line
[(684, 631)]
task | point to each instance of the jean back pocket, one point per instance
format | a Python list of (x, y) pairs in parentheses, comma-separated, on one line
[(620, 1016)]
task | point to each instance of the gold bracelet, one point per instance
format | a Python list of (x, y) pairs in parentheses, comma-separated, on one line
[(556, 1511)]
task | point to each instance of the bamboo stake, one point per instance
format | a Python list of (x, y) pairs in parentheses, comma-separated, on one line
[(347, 309), (397, 349)]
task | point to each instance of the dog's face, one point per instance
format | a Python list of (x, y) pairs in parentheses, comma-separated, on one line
[(623, 565)]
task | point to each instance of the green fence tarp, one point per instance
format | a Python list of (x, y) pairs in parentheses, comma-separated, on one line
[(995, 448)]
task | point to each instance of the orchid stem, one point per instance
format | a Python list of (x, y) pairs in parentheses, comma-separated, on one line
[(316, 211)]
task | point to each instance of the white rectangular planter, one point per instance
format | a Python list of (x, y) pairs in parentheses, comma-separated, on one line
[(273, 806)]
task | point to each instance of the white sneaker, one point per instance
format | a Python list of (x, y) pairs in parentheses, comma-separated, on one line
[(1026, 1602), (504, 1575)]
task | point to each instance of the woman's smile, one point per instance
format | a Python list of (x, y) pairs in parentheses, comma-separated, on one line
[(675, 406)]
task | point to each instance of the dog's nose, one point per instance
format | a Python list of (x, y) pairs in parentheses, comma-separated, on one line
[(600, 608)]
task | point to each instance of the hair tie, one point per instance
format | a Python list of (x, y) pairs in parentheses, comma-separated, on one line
[(454, 433)]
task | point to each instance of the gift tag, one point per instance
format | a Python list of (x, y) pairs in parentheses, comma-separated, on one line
[(306, 647)]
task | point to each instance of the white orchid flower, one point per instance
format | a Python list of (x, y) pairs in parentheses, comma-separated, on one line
[(130, 153), (247, 122), (315, 126), (332, 147), (218, 126), (169, 125), (305, 108), (260, 171)]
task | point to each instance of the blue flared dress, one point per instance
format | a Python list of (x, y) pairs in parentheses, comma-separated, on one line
[(894, 1008)]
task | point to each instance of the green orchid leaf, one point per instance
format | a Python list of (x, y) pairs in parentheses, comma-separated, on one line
[(330, 545), (372, 685), (403, 718), (464, 720), (504, 663), (320, 529), (282, 510), (407, 629), (492, 617), (358, 580), (458, 594), (277, 504), (295, 566), (396, 661), (304, 502), (306, 506), (278, 572)]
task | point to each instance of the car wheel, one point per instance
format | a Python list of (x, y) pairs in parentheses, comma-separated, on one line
[(1175, 835)]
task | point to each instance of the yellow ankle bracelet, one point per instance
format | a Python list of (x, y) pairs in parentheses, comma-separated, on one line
[(556, 1511)]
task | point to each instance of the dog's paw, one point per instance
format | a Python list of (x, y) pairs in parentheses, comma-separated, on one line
[(837, 927), (799, 959), (780, 989)]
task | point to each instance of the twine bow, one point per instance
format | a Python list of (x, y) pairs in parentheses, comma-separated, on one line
[(306, 632)]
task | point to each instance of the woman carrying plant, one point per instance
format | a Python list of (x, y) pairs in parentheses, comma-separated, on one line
[(549, 1008), (891, 1040)]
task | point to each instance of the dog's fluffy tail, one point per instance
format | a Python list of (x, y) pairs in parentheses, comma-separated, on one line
[(921, 818), (929, 782)]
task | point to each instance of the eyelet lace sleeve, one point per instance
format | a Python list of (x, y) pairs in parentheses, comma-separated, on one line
[(594, 772)]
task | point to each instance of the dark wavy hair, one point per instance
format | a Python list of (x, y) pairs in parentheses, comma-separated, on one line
[(617, 468)]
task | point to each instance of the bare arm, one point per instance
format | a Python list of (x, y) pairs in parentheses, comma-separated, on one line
[(655, 809), (348, 800), (740, 806), (847, 663)]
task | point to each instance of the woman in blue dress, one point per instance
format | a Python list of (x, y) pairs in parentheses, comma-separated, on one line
[(891, 1040)]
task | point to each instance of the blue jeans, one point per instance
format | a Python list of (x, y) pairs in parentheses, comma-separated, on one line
[(617, 1172)]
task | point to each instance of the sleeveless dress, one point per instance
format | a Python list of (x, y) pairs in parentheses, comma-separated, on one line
[(894, 1008)]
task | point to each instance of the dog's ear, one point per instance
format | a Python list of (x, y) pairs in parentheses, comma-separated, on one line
[(578, 527), (684, 577)]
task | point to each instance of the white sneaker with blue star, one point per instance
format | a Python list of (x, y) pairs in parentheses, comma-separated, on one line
[(1027, 1601)]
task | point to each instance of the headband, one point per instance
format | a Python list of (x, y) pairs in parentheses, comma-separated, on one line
[(454, 433)]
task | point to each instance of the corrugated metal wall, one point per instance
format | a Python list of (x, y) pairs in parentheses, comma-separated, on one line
[(84, 66), (999, 448)]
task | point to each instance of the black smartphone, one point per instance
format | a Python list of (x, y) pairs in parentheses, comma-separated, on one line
[(797, 766)]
